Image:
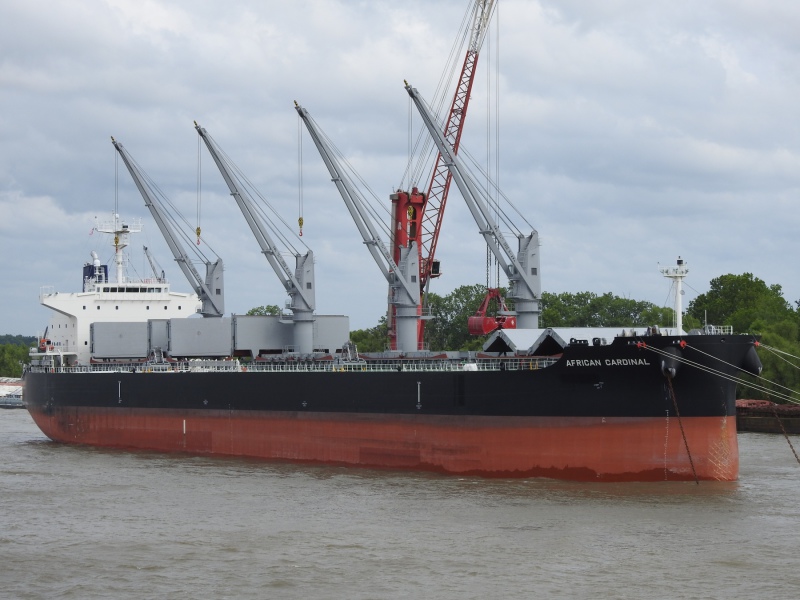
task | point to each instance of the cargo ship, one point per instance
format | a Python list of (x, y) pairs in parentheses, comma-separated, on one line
[(644, 404), (579, 404)]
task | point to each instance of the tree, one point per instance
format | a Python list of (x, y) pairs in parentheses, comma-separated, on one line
[(778, 372), (19, 340), (11, 357), (447, 330), (374, 339), (748, 304), (740, 300), (268, 309), (587, 309)]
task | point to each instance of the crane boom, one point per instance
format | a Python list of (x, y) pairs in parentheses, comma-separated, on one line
[(299, 284), (213, 303), (402, 275), (153, 266), (521, 267)]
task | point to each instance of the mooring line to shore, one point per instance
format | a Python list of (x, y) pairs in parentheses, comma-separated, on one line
[(733, 378), (776, 352)]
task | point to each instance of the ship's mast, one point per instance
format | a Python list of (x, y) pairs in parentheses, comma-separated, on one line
[(121, 233), (677, 274)]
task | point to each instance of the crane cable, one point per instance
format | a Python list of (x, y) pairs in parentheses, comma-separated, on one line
[(199, 187), (497, 120), (492, 264), (116, 182), (489, 255), (300, 172)]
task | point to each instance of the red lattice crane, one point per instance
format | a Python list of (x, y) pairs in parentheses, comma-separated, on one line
[(417, 216)]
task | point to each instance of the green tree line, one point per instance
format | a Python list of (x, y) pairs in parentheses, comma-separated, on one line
[(448, 327), (18, 340)]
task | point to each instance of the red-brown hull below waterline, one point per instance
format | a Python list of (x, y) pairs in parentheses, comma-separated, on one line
[(571, 448)]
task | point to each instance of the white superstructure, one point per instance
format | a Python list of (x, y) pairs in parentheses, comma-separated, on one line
[(102, 300)]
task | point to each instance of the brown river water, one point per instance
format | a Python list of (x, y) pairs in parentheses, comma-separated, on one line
[(81, 523)]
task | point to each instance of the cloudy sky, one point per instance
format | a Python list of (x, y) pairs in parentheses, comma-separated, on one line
[(629, 133)]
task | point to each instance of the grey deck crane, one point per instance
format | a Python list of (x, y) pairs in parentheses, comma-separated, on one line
[(521, 267), (161, 278), (299, 284), (403, 278), (211, 289)]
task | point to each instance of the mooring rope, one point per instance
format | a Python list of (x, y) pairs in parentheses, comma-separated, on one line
[(683, 433), (723, 375), (776, 352)]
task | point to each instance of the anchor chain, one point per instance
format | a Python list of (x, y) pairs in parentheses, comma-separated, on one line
[(683, 433), (786, 435)]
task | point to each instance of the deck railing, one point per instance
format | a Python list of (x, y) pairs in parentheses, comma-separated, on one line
[(215, 366)]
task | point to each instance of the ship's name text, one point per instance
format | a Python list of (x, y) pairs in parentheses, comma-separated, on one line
[(610, 362)]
